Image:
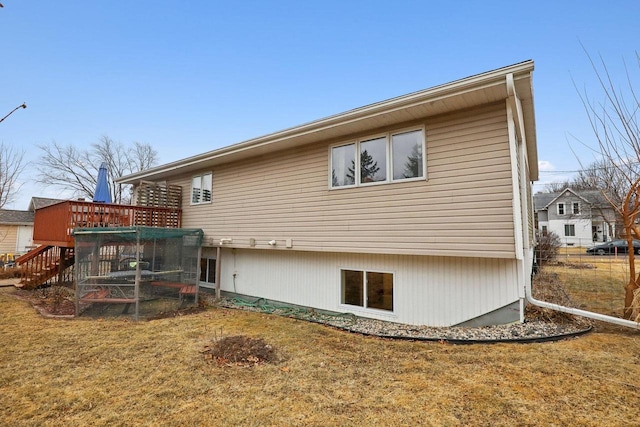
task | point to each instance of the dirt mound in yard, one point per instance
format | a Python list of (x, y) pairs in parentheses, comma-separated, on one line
[(240, 351)]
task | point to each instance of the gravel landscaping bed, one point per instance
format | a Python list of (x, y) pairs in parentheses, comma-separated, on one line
[(539, 325)]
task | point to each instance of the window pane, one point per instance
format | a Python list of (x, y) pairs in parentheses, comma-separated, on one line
[(380, 291), (208, 270), (203, 269), (353, 287), (196, 189), (206, 187), (373, 160), (407, 155), (211, 275), (569, 230), (343, 161)]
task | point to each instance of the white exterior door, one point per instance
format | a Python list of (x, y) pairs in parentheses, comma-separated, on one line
[(24, 241)]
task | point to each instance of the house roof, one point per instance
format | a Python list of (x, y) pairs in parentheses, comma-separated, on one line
[(541, 201), (41, 202), (565, 191), (458, 95), (14, 217)]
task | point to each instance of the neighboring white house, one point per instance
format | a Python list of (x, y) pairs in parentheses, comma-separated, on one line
[(579, 218), (416, 209)]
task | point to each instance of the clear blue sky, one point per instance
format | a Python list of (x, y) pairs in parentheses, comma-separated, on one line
[(189, 77)]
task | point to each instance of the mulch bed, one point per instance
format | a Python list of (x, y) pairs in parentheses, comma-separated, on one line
[(50, 302), (240, 350), (57, 301)]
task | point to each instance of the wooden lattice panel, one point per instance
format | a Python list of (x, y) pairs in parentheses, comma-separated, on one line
[(151, 194)]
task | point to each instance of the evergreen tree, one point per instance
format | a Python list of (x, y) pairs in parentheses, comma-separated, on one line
[(414, 163), (368, 167)]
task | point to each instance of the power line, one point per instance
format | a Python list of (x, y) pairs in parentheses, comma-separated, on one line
[(552, 172), (590, 168)]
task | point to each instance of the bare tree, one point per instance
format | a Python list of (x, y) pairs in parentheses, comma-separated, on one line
[(11, 166), (557, 186), (74, 169), (614, 122)]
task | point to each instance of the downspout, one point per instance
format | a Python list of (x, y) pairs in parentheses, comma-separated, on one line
[(515, 134), (578, 312), (515, 126)]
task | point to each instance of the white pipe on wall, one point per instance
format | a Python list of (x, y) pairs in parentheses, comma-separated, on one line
[(578, 312)]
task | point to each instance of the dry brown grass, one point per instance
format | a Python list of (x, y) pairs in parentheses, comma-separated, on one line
[(108, 372), (594, 283)]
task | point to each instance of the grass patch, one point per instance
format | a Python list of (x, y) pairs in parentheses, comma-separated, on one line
[(115, 372)]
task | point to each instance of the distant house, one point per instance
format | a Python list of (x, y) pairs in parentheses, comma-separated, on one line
[(16, 226), (16, 231), (417, 209), (41, 202), (579, 218)]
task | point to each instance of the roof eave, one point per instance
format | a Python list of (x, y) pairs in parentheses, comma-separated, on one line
[(312, 131)]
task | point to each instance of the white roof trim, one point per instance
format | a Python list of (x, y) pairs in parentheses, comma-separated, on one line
[(457, 88)]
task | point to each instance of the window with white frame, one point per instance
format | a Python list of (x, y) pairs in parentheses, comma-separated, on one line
[(343, 160), (394, 156), (201, 188), (575, 208), (407, 153), (560, 208), (208, 270), (569, 230), (373, 160), (367, 289)]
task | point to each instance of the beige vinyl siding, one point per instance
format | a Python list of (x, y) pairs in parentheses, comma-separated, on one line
[(450, 290), (464, 207), (8, 238)]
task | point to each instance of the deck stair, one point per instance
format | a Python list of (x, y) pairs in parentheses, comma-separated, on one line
[(40, 265)]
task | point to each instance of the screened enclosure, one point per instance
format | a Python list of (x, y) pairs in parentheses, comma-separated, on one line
[(134, 265)]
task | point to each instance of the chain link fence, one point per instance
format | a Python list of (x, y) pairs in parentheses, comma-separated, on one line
[(580, 275)]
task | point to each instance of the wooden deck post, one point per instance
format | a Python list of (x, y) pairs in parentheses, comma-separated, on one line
[(62, 265)]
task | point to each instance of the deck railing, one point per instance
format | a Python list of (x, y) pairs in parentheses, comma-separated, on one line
[(45, 264), (53, 225)]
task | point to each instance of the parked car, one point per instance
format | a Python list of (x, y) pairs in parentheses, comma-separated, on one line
[(614, 247)]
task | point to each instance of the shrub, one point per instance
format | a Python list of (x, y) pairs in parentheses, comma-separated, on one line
[(547, 248)]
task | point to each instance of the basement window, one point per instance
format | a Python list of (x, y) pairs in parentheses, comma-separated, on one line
[(207, 271), (201, 188), (367, 289)]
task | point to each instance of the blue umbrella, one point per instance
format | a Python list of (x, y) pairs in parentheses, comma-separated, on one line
[(102, 193)]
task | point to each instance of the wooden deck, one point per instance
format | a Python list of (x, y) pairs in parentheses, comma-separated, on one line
[(53, 225)]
